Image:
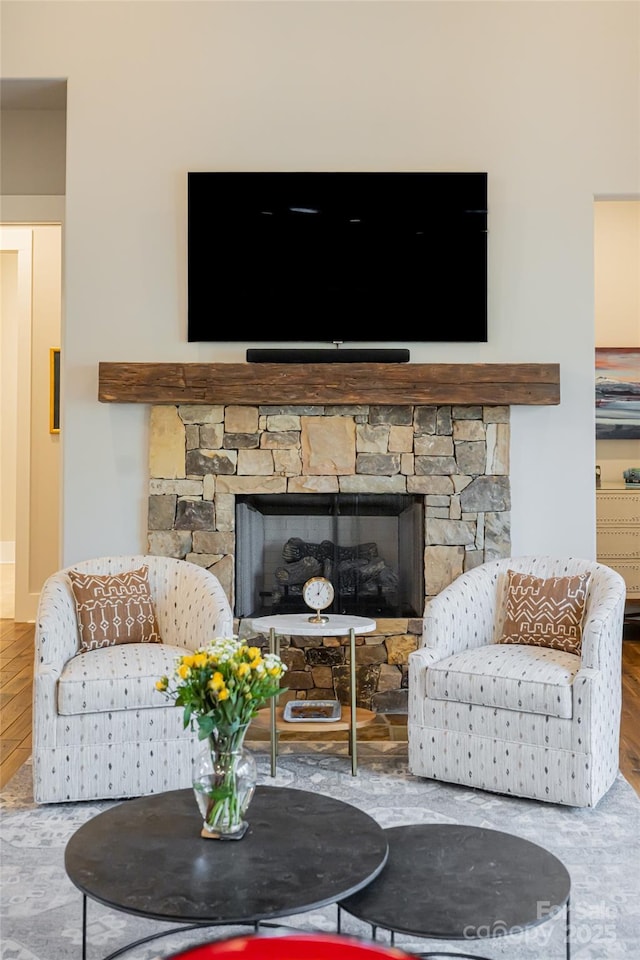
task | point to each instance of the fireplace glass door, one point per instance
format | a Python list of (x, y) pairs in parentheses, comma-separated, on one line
[(370, 546)]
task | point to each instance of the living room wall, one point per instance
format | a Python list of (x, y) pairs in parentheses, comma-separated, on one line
[(157, 89)]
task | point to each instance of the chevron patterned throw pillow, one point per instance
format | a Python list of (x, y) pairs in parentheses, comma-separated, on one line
[(545, 613)]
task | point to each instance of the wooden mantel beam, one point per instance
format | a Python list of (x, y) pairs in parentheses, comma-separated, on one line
[(330, 383)]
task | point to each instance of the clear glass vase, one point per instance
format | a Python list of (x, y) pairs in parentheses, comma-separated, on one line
[(224, 783)]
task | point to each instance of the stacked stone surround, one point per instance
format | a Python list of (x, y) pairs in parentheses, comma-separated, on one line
[(457, 457)]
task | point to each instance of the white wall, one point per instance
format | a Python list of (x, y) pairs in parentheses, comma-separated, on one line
[(617, 308), (157, 89), (33, 152)]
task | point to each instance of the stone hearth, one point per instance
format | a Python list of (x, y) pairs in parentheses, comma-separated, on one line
[(456, 456)]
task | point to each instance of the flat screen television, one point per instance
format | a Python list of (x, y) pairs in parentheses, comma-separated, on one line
[(346, 257)]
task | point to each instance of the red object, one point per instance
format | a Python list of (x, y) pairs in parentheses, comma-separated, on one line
[(290, 947)]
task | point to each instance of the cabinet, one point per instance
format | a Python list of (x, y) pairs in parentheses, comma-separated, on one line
[(618, 532)]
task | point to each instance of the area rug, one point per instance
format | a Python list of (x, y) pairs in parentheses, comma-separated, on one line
[(41, 911)]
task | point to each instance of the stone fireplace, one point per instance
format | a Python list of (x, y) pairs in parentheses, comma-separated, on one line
[(202, 457), (435, 432), (453, 460)]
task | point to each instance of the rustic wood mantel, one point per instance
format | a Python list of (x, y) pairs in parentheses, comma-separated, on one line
[(330, 383)]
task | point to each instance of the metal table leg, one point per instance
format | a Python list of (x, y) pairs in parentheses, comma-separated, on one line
[(84, 926), (352, 693), (274, 647)]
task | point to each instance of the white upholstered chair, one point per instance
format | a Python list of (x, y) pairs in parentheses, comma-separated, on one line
[(100, 728), (510, 717)]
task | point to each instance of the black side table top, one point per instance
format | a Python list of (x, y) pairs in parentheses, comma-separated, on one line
[(455, 882), (302, 851)]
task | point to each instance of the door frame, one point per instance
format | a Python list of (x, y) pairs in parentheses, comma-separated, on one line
[(19, 240)]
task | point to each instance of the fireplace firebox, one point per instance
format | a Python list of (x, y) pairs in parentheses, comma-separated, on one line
[(370, 546)]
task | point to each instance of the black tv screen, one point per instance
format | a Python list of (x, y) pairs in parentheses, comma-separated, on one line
[(309, 257)]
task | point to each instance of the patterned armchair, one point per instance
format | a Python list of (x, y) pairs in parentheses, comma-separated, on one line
[(496, 709), (100, 728)]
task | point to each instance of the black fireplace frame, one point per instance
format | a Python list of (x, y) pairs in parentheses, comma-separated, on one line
[(395, 589)]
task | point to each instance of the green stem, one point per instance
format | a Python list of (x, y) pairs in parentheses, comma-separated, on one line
[(223, 808)]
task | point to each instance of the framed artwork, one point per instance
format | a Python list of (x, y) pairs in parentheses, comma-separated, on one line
[(54, 390), (617, 393)]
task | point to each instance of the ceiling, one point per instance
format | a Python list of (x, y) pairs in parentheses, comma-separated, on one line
[(33, 94)]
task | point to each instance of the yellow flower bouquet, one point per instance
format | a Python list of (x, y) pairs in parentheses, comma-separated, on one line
[(221, 687)]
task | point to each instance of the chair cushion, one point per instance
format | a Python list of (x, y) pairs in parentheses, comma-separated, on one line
[(114, 609), (515, 677), (545, 613), (116, 678)]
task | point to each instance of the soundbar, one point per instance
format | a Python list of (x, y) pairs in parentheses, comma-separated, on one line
[(350, 355)]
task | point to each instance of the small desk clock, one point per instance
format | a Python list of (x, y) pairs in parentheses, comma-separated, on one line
[(318, 594)]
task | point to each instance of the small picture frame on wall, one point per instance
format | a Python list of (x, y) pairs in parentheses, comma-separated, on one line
[(54, 390)]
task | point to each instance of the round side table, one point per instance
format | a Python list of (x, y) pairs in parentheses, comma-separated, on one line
[(456, 882), (300, 625)]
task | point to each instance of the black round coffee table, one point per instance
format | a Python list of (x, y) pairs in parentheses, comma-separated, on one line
[(457, 882), (146, 857)]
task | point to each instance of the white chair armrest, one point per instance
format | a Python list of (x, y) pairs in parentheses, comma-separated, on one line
[(587, 674), (418, 663), (56, 633), (423, 658), (602, 628), (190, 603), (462, 616)]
